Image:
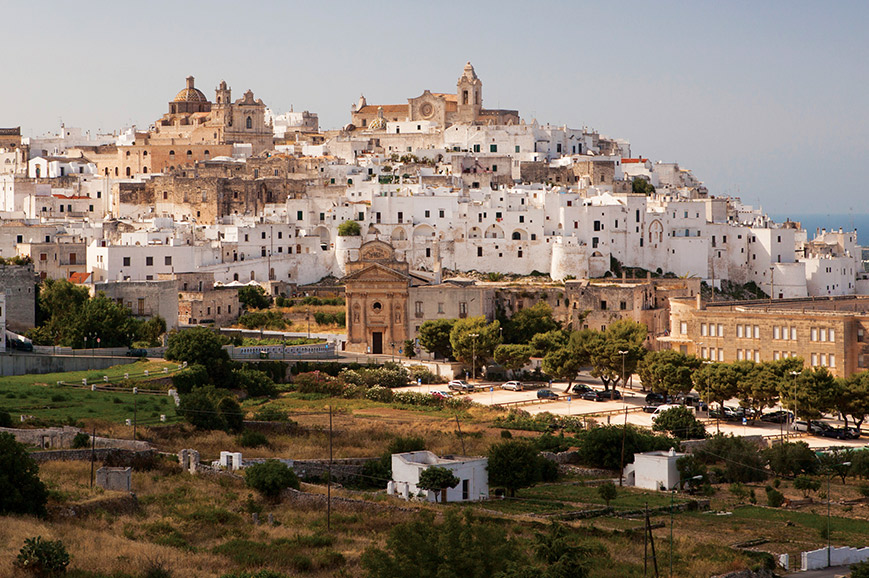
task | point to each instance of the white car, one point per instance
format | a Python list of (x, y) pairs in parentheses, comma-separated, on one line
[(512, 386)]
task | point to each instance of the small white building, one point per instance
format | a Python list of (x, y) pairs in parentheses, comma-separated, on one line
[(654, 470), (472, 472)]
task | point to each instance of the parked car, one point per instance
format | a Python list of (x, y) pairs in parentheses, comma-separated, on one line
[(778, 416), (610, 394), (661, 409), (580, 388), (827, 431), (854, 432), (546, 394), (134, 352), (442, 394), (460, 385), (656, 399), (592, 395), (512, 385)]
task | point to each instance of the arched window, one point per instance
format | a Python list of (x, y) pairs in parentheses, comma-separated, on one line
[(128, 171), (189, 154), (144, 153), (249, 122), (145, 170), (116, 171), (235, 277), (207, 154), (517, 235), (172, 155)]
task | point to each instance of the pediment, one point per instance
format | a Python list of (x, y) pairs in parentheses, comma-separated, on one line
[(376, 272)]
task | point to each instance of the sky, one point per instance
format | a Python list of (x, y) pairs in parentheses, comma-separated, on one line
[(763, 100)]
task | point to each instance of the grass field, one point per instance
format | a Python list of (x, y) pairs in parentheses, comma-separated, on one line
[(40, 396)]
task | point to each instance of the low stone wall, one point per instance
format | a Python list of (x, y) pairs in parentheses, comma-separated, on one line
[(342, 470), (85, 455), (61, 437), (121, 505), (27, 363), (319, 501)]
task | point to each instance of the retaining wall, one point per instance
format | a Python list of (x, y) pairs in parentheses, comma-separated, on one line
[(27, 363)]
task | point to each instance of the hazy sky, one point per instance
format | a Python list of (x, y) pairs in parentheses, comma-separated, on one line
[(766, 100)]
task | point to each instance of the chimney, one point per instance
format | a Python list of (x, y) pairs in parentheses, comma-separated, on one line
[(189, 82), (700, 305)]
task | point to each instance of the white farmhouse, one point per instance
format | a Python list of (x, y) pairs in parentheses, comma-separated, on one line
[(406, 468), (654, 470)]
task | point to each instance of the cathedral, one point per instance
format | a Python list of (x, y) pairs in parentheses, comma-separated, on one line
[(441, 109)]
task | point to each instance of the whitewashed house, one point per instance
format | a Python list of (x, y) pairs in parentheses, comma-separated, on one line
[(472, 473), (654, 470)]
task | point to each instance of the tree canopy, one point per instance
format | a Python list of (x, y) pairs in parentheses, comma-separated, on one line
[(21, 490), (270, 478), (513, 357), (668, 371), (475, 351), (253, 297), (436, 479), (514, 464), (434, 337), (528, 322), (349, 229)]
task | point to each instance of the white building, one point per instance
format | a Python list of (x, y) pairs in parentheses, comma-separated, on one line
[(654, 470), (472, 473)]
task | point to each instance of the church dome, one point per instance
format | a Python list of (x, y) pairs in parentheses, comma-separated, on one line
[(190, 93)]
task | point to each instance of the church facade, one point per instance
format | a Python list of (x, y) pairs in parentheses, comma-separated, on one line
[(465, 106)]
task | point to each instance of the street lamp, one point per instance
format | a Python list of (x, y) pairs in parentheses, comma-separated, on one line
[(830, 477), (623, 354), (474, 355), (392, 345), (794, 374), (308, 319)]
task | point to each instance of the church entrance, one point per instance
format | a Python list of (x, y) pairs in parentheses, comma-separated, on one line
[(376, 342)]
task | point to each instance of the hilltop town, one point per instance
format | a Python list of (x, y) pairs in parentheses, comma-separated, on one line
[(440, 340)]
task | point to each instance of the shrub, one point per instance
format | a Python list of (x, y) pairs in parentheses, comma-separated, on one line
[(806, 485), (317, 382), (5, 418), (421, 373), (263, 319), (349, 229), (270, 478), (81, 440), (600, 447), (774, 498), (156, 568), (742, 458), (194, 376), (252, 439), (860, 570), (607, 492), (22, 490), (43, 557), (256, 383), (378, 393), (680, 423)]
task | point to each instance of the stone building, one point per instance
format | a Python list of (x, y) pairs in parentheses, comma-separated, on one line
[(18, 282), (831, 332), (200, 301), (58, 259), (439, 109), (145, 299)]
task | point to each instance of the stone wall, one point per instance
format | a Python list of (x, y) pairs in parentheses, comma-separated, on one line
[(27, 363), (61, 437), (100, 454)]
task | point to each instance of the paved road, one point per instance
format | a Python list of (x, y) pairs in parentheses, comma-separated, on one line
[(830, 572)]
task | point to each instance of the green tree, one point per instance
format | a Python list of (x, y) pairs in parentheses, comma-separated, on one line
[(640, 186), (21, 490), (436, 479), (528, 322), (59, 302), (270, 478), (757, 386), (716, 382), (349, 229), (607, 492), (561, 364), (807, 485), (791, 459), (208, 408), (680, 423), (860, 570), (601, 447), (231, 414), (514, 464), (193, 376), (852, 400), (409, 348), (603, 349), (458, 546), (741, 459), (152, 330), (815, 392), (668, 371), (513, 357), (253, 297), (105, 319), (475, 351), (544, 343), (690, 468), (200, 345), (434, 337), (256, 383)]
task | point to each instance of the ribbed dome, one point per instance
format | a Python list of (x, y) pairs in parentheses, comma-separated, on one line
[(190, 95)]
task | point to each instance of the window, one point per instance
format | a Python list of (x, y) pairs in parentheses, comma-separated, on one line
[(463, 309), (775, 333), (479, 251), (814, 360), (249, 123), (167, 260), (428, 251), (400, 216), (683, 327), (517, 148), (493, 148), (823, 334), (597, 226), (440, 307), (832, 360), (299, 215), (417, 310), (704, 330), (603, 305), (149, 261), (832, 335), (739, 331), (712, 332), (519, 253), (757, 333), (476, 148), (43, 257), (623, 305), (441, 213), (126, 261)]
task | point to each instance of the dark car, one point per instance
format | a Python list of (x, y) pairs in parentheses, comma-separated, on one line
[(778, 416), (546, 394), (592, 395), (656, 399), (580, 388), (827, 431), (610, 394), (132, 352)]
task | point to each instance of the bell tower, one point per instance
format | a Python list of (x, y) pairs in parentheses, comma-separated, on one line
[(469, 96)]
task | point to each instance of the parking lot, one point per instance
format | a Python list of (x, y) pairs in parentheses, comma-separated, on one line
[(490, 393)]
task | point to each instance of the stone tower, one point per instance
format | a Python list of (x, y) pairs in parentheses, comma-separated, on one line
[(469, 96)]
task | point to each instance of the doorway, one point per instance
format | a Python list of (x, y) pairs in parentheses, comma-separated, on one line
[(376, 342)]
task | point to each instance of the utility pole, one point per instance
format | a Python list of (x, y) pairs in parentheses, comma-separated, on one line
[(135, 411), (622, 462), (474, 355), (329, 479), (93, 453)]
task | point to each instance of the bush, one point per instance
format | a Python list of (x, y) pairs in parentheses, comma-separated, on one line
[(338, 318), (774, 498), (349, 229), (607, 492), (378, 393), (860, 570), (252, 439), (256, 383), (263, 319), (316, 382), (253, 297), (270, 478), (601, 447), (194, 376), (5, 418), (80, 441), (43, 557), (680, 423), (742, 458), (21, 490), (426, 377)]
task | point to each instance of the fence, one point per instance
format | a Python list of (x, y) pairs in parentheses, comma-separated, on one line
[(283, 352)]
